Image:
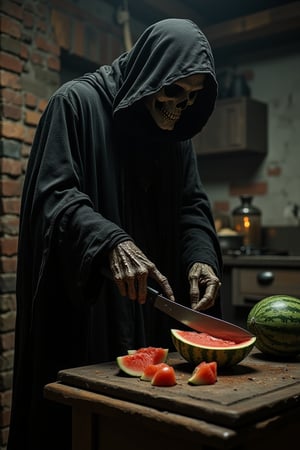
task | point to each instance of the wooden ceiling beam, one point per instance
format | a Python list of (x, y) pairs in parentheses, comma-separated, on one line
[(281, 19)]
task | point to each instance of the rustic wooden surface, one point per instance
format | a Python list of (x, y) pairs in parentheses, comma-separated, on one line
[(245, 393)]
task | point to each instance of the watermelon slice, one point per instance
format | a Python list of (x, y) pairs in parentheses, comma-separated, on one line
[(204, 373), (151, 370), (164, 377), (135, 363)]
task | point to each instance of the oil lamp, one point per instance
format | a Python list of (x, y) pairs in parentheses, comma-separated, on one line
[(246, 220)]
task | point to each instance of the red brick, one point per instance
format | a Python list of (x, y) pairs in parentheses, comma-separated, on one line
[(11, 112), (31, 100), (10, 62), (259, 188), (53, 63), (24, 53), (13, 130), (8, 265), (11, 96), (10, 80), (10, 166), (7, 341), (42, 105), (32, 117), (62, 29), (42, 25), (28, 19), (11, 9), (5, 398), (29, 135), (43, 43), (8, 246), (10, 205), (37, 58), (9, 187), (11, 27), (4, 417)]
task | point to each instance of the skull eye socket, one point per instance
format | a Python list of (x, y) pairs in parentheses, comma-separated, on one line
[(173, 90)]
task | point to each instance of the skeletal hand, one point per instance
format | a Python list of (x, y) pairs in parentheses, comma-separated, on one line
[(131, 268), (202, 276)]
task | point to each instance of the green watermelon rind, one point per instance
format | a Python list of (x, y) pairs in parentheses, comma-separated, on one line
[(275, 321), (132, 364), (224, 356)]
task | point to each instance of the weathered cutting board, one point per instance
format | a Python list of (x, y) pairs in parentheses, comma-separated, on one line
[(243, 394)]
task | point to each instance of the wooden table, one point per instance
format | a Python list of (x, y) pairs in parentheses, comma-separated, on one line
[(254, 405)]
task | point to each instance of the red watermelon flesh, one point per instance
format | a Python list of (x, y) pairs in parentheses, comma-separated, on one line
[(135, 363), (151, 370), (164, 377), (205, 339), (204, 373)]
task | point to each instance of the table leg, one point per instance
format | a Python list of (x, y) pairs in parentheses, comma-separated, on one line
[(81, 429)]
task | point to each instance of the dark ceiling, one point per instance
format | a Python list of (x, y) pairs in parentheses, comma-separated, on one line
[(235, 28), (203, 12)]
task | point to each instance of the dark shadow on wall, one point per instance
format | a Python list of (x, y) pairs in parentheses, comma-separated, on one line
[(229, 167), (73, 66)]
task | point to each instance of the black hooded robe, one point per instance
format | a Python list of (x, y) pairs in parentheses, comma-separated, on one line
[(101, 172)]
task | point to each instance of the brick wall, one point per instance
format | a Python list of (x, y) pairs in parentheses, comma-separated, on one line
[(32, 35)]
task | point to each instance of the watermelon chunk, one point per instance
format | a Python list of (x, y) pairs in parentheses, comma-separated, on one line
[(164, 377), (135, 363), (204, 373), (151, 370)]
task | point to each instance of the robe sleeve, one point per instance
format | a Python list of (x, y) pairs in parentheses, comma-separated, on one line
[(61, 217), (198, 236)]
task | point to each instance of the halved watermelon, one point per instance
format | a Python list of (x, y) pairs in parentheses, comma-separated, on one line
[(151, 370), (197, 347), (204, 373), (164, 377), (135, 363)]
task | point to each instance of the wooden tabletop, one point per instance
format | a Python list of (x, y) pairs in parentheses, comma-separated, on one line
[(245, 393)]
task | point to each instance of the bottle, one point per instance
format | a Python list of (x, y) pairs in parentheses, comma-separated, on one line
[(246, 220)]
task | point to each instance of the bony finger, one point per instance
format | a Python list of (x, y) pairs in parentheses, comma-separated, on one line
[(204, 303), (164, 284), (131, 289)]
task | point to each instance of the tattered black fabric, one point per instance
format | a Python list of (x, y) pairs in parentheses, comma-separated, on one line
[(101, 172)]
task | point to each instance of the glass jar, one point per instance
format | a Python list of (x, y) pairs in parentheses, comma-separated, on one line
[(246, 220)]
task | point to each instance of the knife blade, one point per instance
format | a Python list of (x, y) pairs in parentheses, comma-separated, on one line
[(196, 320)]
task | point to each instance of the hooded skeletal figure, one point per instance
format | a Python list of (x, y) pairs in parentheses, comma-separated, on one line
[(111, 163)]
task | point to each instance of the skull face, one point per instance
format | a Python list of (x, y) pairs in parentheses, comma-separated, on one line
[(167, 105)]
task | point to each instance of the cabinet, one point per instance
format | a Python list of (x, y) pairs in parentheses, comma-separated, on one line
[(249, 285), (236, 125), (248, 279)]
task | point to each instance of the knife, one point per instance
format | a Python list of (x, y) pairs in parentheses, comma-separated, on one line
[(196, 320)]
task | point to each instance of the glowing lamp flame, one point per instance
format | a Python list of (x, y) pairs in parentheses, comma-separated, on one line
[(247, 222)]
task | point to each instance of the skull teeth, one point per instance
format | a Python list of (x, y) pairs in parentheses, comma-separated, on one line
[(168, 115)]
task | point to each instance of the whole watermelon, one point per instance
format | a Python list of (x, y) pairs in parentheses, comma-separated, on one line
[(275, 321)]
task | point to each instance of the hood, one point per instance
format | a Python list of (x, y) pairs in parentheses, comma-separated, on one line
[(167, 51)]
